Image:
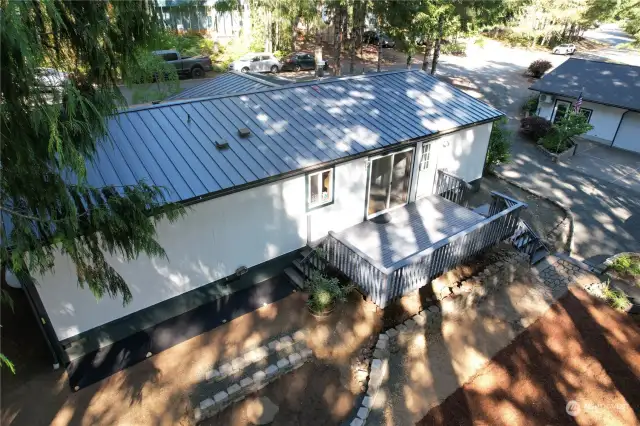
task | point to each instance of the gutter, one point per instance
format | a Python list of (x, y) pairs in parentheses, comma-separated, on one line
[(584, 99)]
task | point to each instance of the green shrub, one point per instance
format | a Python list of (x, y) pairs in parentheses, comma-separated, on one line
[(627, 264), (538, 67), (325, 291), (480, 41), (559, 137), (499, 150), (188, 44), (531, 105), (535, 128), (458, 49)]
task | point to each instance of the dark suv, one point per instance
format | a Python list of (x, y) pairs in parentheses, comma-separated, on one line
[(371, 37), (301, 61)]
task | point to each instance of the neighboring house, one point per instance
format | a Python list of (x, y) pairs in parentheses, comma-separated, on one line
[(202, 16), (611, 99), (356, 163)]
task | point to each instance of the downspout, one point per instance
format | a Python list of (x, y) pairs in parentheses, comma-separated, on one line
[(619, 124)]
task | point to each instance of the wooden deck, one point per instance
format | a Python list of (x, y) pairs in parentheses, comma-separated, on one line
[(410, 230)]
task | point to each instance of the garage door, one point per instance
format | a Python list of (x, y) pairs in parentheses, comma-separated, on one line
[(628, 136)]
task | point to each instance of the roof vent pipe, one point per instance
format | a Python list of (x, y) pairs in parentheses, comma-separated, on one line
[(244, 132)]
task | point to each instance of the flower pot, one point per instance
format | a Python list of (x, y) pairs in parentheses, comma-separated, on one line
[(324, 313)]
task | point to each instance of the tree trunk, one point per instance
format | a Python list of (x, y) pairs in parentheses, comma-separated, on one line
[(363, 16), (436, 50), (337, 43), (379, 65), (294, 33), (352, 36), (318, 51), (427, 52)]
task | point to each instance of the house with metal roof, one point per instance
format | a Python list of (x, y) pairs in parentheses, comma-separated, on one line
[(610, 99), (376, 169), (228, 83)]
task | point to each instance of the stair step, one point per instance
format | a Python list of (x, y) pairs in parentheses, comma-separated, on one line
[(295, 277), (298, 264), (305, 252), (482, 210), (538, 255)]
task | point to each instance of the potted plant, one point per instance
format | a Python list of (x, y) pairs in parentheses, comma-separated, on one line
[(325, 292)]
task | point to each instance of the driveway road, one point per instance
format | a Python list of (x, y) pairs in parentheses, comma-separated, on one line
[(606, 214)]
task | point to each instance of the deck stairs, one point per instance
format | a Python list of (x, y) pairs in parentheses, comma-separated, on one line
[(309, 259), (524, 239)]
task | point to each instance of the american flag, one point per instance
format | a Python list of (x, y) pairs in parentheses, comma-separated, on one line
[(579, 102)]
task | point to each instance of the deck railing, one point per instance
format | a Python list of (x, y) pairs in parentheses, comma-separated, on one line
[(384, 284), (452, 188)]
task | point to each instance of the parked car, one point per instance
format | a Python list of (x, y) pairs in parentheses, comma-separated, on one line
[(186, 66), (301, 61), (564, 49), (49, 78), (371, 37), (256, 62)]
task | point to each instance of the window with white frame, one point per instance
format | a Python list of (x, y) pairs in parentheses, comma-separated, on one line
[(562, 109), (320, 188), (587, 113), (426, 153)]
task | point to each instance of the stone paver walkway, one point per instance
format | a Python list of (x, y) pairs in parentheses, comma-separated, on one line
[(430, 365)]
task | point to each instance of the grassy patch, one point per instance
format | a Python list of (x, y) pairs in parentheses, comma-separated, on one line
[(627, 264), (616, 299)]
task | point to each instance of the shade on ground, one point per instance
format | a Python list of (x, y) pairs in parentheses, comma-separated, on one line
[(581, 350)]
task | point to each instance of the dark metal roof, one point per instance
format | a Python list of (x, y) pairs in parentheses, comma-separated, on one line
[(293, 128), (224, 84), (603, 82)]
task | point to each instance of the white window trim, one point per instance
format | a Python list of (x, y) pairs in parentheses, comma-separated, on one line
[(321, 202), (590, 113), (555, 109)]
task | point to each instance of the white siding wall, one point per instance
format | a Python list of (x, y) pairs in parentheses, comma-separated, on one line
[(349, 201), (241, 229), (215, 238), (604, 119), (629, 134), (462, 153)]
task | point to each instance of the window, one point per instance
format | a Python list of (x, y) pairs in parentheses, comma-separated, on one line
[(587, 113), (170, 56), (426, 152), (562, 107), (320, 188), (266, 57)]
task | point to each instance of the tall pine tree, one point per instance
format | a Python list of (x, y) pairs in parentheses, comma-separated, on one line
[(50, 134)]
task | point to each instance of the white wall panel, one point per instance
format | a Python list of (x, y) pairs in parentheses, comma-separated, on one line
[(209, 243)]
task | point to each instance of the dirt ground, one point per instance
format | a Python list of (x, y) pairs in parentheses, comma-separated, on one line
[(580, 350), (156, 391)]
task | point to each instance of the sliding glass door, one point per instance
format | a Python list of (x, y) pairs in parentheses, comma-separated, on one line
[(389, 181)]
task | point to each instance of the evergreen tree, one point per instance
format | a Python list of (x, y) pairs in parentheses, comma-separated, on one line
[(51, 131)]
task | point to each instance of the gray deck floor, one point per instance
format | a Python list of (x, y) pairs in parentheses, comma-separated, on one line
[(411, 229)]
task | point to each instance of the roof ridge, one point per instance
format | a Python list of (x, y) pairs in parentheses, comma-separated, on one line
[(250, 77), (269, 89)]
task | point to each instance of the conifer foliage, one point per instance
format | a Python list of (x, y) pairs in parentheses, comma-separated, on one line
[(51, 128)]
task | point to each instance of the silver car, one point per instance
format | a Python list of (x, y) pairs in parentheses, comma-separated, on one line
[(564, 49), (256, 62)]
